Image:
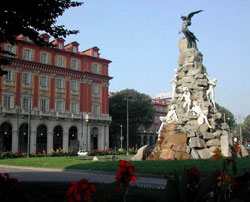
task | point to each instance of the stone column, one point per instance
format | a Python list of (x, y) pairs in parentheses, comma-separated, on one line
[(106, 143), (32, 140), (84, 137), (14, 146), (142, 138), (49, 139), (65, 141), (88, 136)]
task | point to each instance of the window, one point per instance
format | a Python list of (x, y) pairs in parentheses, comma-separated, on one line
[(59, 85), (95, 68), (75, 64), (26, 103), (8, 101), (44, 82), (95, 89), (60, 61), (10, 48), (60, 45), (74, 49), (44, 104), (44, 58), (95, 54), (96, 109), (74, 107), (60, 106), (9, 76), (27, 54), (26, 78), (74, 86)]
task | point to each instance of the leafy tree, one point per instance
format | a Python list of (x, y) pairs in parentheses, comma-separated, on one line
[(229, 117), (141, 112), (31, 17), (246, 127)]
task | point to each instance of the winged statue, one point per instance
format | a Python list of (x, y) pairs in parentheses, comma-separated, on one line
[(191, 38)]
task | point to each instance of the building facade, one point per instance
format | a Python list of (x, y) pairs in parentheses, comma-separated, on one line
[(54, 98), (149, 136)]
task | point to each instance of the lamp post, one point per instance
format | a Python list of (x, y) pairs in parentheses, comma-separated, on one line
[(121, 138), (29, 121), (127, 127), (87, 121)]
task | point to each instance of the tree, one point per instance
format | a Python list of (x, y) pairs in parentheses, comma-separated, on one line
[(246, 127), (29, 18), (141, 112), (229, 117)]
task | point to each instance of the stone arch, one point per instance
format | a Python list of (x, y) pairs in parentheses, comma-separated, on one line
[(23, 137), (41, 138), (94, 138), (145, 140), (57, 137), (5, 137)]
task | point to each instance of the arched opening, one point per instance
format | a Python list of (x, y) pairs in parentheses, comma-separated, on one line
[(73, 142), (41, 139), (94, 138), (57, 138), (23, 138), (139, 140), (144, 140), (5, 137), (151, 141)]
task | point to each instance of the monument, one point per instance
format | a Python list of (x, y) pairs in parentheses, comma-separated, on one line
[(193, 127)]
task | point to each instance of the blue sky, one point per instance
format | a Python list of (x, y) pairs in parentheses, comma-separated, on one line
[(141, 38)]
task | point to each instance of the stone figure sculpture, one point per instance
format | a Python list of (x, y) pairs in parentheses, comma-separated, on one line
[(187, 99), (174, 82), (171, 117), (202, 115), (191, 38), (210, 91)]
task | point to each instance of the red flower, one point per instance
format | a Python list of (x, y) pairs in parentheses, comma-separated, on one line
[(80, 191), (193, 175), (7, 185), (125, 174)]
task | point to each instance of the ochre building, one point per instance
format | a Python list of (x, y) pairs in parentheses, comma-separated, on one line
[(54, 98)]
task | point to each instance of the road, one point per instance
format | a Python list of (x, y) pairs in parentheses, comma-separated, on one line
[(57, 175)]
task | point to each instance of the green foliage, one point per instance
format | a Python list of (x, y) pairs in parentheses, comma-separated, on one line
[(229, 117), (29, 18), (246, 127), (141, 112)]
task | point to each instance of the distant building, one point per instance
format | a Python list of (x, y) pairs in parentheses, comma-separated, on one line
[(149, 136), (54, 97)]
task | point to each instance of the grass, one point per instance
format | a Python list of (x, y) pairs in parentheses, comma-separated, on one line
[(143, 167)]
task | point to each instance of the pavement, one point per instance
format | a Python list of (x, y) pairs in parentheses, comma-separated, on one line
[(28, 174)]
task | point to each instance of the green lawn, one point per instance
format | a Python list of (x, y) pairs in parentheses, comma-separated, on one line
[(142, 167)]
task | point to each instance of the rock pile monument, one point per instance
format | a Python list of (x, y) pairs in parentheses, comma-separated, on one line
[(193, 127)]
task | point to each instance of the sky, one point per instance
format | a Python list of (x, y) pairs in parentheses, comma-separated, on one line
[(141, 38)]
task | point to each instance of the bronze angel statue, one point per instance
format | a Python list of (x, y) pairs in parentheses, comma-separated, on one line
[(191, 39)]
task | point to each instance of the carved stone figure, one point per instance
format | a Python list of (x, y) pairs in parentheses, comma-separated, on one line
[(210, 91), (171, 117), (187, 99), (191, 38), (174, 81), (202, 115)]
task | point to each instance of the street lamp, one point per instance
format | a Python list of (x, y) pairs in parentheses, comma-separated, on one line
[(121, 138), (127, 127), (87, 121)]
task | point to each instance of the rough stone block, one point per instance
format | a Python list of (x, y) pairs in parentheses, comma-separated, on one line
[(195, 142), (224, 126), (191, 134), (205, 153), (226, 151), (203, 128), (208, 136), (244, 151), (226, 140), (177, 138), (180, 147), (217, 133), (182, 155), (194, 154), (167, 154), (142, 153), (214, 142)]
